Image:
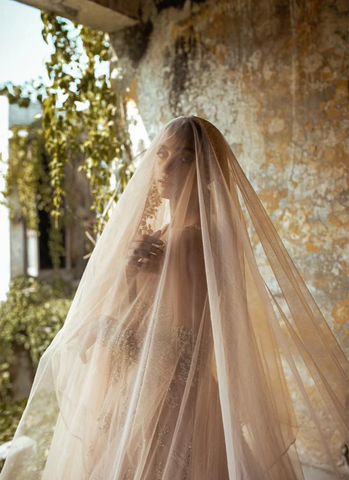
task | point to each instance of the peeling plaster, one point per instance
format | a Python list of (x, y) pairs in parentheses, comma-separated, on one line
[(271, 76)]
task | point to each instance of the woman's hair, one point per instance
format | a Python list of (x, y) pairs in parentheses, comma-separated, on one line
[(189, 127), (211, 148), (184, 126)]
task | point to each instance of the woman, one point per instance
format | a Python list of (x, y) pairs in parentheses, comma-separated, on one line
[(170, 364)]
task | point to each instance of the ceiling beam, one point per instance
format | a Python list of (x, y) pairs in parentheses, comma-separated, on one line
[(106, 15)]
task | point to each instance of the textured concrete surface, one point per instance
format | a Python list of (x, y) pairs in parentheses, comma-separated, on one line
[(271, 76)]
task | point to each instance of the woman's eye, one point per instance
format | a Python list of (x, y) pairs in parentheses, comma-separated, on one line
[(162, 154), (186, 159)]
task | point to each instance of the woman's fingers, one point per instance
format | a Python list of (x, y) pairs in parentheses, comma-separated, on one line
[(148, 240), (134, 261), (145, 247), (141, 246), (147, 252), (136, 256)]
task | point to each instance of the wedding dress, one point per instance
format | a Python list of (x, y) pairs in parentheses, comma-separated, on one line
[(171, 364)]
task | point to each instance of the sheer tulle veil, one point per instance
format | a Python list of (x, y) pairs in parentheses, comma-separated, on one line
[(176, 356)]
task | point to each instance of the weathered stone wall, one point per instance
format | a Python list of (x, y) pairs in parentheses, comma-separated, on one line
[(271, 76)]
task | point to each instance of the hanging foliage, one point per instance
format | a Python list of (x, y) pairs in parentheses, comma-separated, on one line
[(30, 318), (26, 178), (81, 115)]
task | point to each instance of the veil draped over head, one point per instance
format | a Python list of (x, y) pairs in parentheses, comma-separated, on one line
[(171, 364)]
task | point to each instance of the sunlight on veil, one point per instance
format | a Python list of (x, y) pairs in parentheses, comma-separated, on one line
[(171, 364)]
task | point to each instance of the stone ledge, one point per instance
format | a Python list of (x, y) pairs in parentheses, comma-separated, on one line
[(108, 16)]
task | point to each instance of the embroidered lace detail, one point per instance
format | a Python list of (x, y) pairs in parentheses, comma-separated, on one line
[(90, 449), (124, 407), (186, 227), (124, 343), (186, 340), (142, 442), (152, 204), (159, 471), (165, 429), (129, 345), (196, 227), (130, 473), (175, 347), (172, 399), (106, 422), (110, 328), (125, 347), (183, 460)]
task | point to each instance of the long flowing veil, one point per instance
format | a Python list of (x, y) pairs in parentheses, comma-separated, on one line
[(172, 361)]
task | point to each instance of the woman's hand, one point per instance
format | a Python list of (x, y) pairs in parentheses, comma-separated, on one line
[(144, 249)]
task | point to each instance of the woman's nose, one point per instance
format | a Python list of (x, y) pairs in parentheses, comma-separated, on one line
[(168, 166), (171, 163)]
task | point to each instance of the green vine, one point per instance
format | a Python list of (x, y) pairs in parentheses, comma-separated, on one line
[(30, 317), (81, 115), (11, 414), (26, 176)]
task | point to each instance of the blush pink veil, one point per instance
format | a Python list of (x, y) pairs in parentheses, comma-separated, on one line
[(178, 366)]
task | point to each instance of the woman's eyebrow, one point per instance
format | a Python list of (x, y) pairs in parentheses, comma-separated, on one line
[(184, 148)]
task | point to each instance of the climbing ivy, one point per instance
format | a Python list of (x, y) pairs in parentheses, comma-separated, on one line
[(30, 317), (26, 176), (81, 115), (11, 414)]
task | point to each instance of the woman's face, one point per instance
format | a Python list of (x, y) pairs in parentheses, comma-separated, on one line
[(175, 159)]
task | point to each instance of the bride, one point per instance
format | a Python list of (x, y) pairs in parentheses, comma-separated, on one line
[(171, 362)]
